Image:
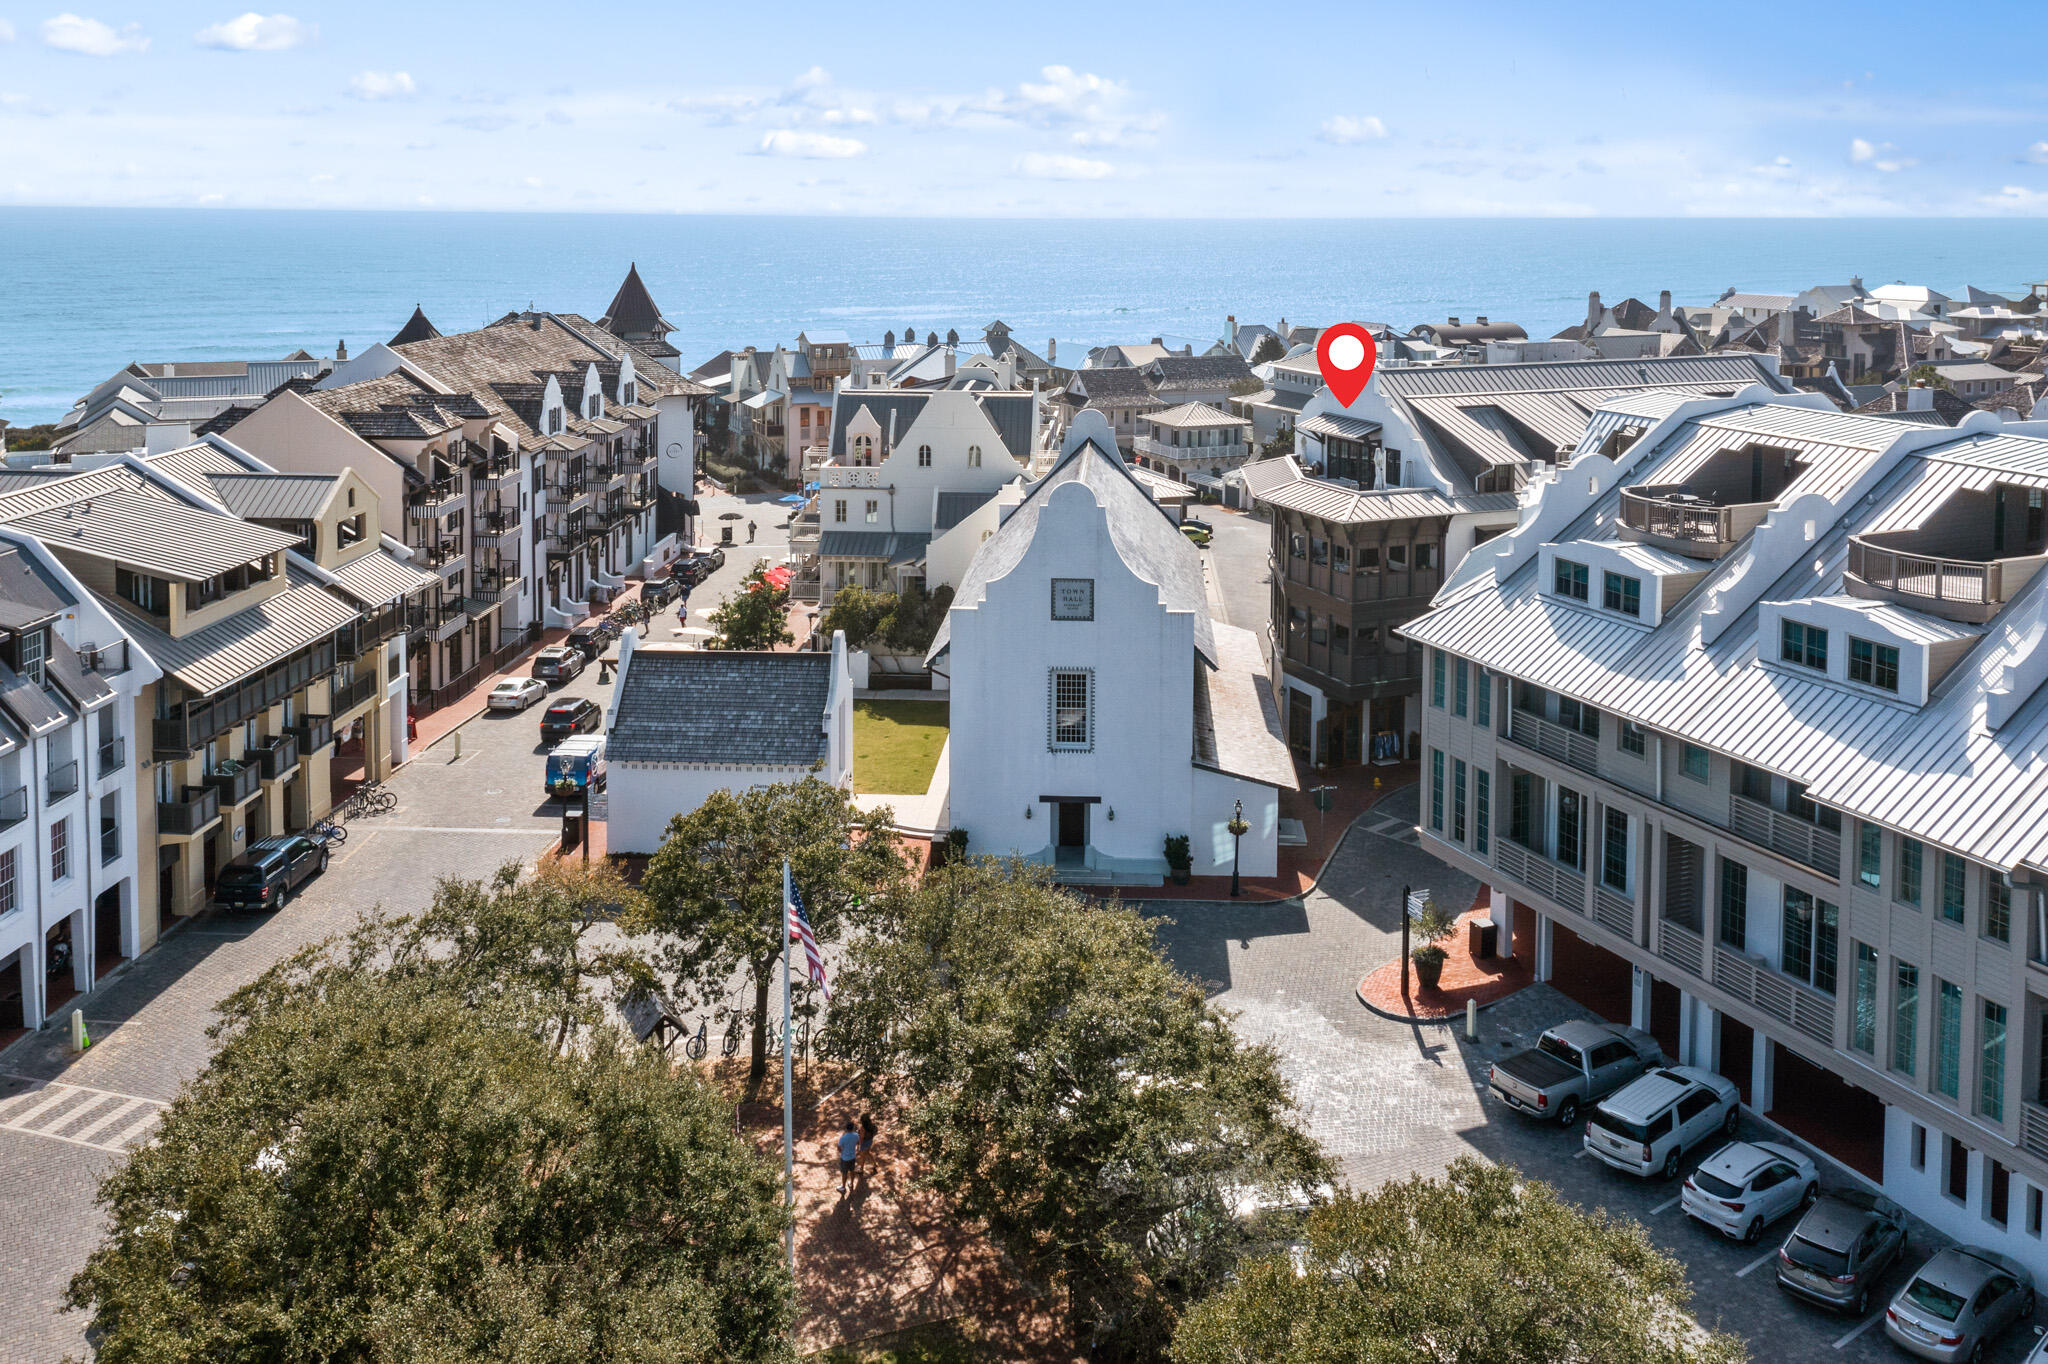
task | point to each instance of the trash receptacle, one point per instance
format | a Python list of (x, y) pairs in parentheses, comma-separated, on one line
[(1480, 935)]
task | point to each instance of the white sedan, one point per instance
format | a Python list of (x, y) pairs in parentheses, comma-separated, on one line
[(517, 693), (1747, 1185)]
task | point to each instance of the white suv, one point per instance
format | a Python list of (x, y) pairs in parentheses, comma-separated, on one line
[(1645, 1127)]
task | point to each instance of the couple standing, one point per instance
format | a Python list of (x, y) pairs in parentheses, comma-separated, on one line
[(856, 1151)]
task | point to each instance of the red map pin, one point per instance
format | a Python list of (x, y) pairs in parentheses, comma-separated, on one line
[(1346, 354)]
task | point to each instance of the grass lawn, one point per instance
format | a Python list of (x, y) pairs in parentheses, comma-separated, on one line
[(896, 745)]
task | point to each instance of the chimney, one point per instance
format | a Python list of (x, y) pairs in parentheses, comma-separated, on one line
[(1230, 328), (1664, 306), (1159, 341), (1788, 328), (341, 348), (161, 437), (1482, 319), (888, 340), (1452, 323), (1592, 310), (1856, 283), (891, 447), (1919, 398), (1052, 349)]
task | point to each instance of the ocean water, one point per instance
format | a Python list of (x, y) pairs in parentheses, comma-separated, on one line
[(85, 291)]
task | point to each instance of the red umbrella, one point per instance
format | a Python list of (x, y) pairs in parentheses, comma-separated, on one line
[(777, 577)]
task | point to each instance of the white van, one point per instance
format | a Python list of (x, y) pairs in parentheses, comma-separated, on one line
[(1648, 1125), (575, 768)]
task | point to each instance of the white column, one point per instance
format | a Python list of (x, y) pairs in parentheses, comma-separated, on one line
[(1543, 947), (1502, 911), (1639, 998), (81, 948), (1699, 1033), (1763, 1073)]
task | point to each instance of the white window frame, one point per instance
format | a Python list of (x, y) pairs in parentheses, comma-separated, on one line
[(60, 850), (1084, 678)]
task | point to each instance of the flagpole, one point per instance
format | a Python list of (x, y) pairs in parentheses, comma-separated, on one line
[(788, 1106)]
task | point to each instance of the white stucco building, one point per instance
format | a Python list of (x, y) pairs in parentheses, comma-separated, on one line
[(687, 722), (1097, 708)]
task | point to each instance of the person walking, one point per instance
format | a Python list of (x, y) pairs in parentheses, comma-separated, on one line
[(750, 532), (849, 1153), (867, 1143)]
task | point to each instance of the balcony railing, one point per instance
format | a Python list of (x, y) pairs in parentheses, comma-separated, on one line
[(105, 659), (236, 784), (442, 552), (1687, 522), (1614, 912), (348, 695), (1681, 947), (277, 756), (1776, 994), (194, 809), (1969, 590), (434, 501), (113, 756), (1154, 448), (314, 731), (2034, 1129), (13, 807), (1554, 880), (63, 781), (1553, 740), (1786, 835)]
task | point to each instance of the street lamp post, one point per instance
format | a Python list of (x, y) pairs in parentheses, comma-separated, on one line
[(1238, 828)]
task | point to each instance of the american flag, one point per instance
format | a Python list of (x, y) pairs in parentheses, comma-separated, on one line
[(800, 931)]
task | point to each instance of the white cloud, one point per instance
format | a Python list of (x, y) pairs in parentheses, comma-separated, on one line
[(789, 142), (1861, 150), (382, 85), (1041, 166), (6, 32), (1878, 156), (1098, 111), (1345, 129), (2038, 154), (2016, 196), (323, 178), (91, 38), (812, 79), (253, 32)]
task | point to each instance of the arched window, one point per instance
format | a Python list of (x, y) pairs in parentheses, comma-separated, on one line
[(863, 450), (974, 456), (924, 456)]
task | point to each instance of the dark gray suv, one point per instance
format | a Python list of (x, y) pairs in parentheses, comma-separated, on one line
[(1841, 1248)]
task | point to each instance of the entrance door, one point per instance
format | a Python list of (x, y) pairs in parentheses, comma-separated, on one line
[(1073, 832), (1300, 727), (106, 931)]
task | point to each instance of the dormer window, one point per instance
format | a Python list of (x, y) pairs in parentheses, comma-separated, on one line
[(1570, 580), (1623, 594), (1873, 664), (1807, 646), (630, 394), (30, 648), (594, 407)]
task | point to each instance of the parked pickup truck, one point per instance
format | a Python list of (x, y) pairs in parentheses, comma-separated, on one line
[(1571, 1066)]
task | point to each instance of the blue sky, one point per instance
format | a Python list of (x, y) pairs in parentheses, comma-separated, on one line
[(1186, 110)]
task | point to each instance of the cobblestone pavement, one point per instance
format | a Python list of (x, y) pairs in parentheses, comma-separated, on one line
[(1238, 556), (1389, 1099), (64, 1120)]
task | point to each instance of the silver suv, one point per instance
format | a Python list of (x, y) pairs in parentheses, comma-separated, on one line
[(1646, 1127)]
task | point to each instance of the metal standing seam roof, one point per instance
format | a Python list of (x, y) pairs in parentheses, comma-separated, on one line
[(274, 497), (194, 464), (1237, 722), (37, 711), (717, 706), (378, 579), (253, 638), (1327, 501), (1194, 415), (1938, 772), (1148, 541), (896, 546), (1330, 424), (153, 532), (954, 507), (73, 678)]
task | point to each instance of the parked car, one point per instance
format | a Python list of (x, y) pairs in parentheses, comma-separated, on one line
[(558, 663), (1841, 1249), (2039, 1354), (1572, 1064), (660, 591), (1958, 1303), (1195, 532), (576, 767), (1195, 523), (1647, 1126), (586, 640), (570, 716), (696, 566), (516, 693), (1747, 1185), (265, 876)]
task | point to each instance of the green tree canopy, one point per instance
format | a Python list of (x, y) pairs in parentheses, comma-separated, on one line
[(1071, 1091), (1484, 1266), (861, 612), (714, 888), (392, 1157), (906, 623), (755, 617), (1270, 347)]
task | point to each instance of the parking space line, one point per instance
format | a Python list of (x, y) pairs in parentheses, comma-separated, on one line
[(1758, 1263), (1667, 1205), (1868, 1322), (1579, 1154)]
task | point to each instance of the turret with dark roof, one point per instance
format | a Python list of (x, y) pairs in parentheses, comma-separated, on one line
[(633, 317), (416, 328)]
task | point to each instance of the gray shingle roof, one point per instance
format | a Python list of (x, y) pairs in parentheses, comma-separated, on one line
[(1148, 540), (702, 705), (1009, 413), (953, 508)]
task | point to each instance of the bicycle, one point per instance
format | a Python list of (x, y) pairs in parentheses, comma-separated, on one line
[(328, 829), (730, 1047), (695, 1047)]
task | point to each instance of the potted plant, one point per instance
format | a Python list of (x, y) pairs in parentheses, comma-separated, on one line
[(956, 845), (1428, 929), (1179, 857)]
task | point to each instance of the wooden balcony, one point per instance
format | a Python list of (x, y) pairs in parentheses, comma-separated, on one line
[(238, 785), (1968, 590), (435, 501), (1695, 525), (1553, 740), (1786, 835), (195, 810), (277, 758), (314, 731)]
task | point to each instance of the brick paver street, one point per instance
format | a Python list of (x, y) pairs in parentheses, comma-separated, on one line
[(1389, 1099)]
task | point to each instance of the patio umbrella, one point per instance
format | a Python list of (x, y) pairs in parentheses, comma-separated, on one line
[(692, 632), (728, 516), (777, 577), (792, 500)]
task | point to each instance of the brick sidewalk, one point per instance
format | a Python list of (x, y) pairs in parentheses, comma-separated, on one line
[(1463, 979)]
